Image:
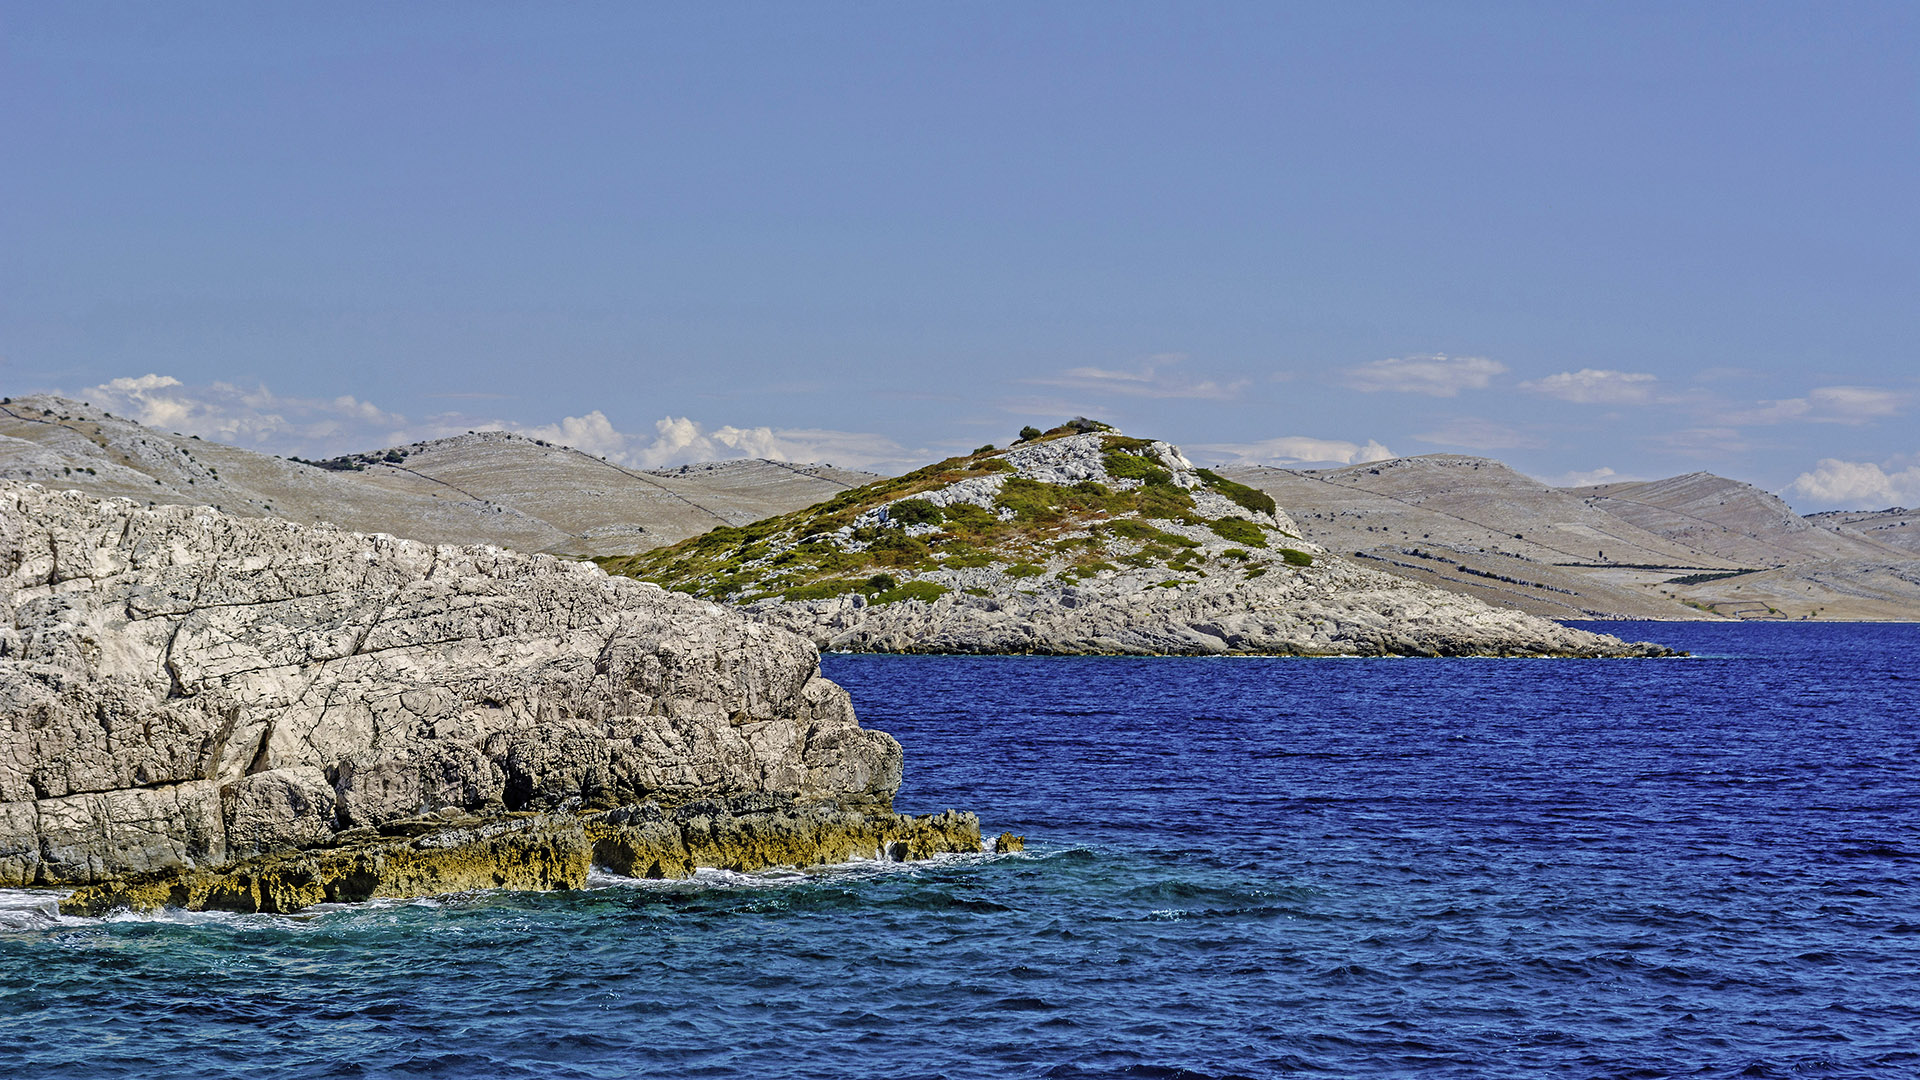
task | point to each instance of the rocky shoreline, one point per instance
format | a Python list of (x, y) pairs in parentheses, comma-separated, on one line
[(541, 852), (209, 711)]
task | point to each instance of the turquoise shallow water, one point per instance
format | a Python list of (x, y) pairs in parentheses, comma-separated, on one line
[(1453, 868)]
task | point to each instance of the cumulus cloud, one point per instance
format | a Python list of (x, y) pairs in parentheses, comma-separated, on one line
[(259, 419), (1291, 450), (1435, 376), (1152, 379), (254, 417), (678, 440), (1596, 386), (1858, 485), (1473, 433)]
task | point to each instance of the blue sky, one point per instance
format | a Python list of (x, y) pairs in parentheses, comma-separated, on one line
[(1593, 240)]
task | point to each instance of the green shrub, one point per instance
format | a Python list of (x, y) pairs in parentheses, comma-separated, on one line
[(898, 549), (1296, 557), (970, 518), (967, 558), (1025, 570), (1125, 466), (881, 583), (1256, 572), (987, 449), (1247, 497), (915, 512), (1239, 530), (1030, 433), (818, 590), (1030, 500), (1135, 529), (1086, 570), (927, 591), (1162, 501)]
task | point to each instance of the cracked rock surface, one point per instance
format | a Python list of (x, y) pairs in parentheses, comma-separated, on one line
[(181, 689)]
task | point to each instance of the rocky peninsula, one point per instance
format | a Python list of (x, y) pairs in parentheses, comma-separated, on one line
[(1082, 540), (211, 711)]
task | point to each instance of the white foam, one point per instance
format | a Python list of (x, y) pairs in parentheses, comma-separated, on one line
[(855, 869)]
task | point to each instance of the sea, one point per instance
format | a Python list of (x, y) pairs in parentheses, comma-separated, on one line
[(1698, 867)]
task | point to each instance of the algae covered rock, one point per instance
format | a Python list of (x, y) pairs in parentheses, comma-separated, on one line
[(181, 690)]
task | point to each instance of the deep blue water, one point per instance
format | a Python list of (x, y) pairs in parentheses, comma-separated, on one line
[(1347, 868)]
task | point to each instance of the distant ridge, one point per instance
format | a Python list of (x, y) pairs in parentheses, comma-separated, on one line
[(1692, 546), (491, 486)]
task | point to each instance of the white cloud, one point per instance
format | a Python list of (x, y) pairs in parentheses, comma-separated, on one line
[(1601, 475), (1291, 450), (1857, 485), (1855, 404), (1473, 433), (261, 420), (1595, 386), (1821, 405), (1151, 380), (679, 440), (1704, 441), (256, 418), (1436, 376)]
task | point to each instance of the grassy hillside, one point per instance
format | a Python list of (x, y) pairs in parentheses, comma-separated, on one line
[(917, 536)]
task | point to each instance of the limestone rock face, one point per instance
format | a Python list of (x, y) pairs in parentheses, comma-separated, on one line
[(180, 688)]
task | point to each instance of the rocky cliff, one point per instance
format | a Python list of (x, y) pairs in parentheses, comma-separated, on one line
[(1083, 541), (183, 691)]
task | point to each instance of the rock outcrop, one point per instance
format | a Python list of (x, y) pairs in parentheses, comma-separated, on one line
[(182, 690), (1084, 541)]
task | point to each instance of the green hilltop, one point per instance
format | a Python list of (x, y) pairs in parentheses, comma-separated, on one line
[(984, 522)]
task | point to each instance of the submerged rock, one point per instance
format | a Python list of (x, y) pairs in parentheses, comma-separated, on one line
[(182, 691)]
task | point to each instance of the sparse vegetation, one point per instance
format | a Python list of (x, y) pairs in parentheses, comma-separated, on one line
[(915, 512), (1296, 557), (1247, 497), (1239, 530), (1043, 532)]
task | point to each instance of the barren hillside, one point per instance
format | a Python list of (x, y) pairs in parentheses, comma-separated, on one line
[(491, 487)]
